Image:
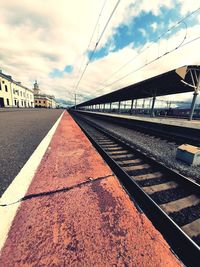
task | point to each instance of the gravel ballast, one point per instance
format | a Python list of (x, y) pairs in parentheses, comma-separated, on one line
[(162, 150)]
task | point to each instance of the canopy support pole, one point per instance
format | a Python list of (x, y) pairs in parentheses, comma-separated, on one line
[(196, 92), (119, 106), (193, 105), (143, 104), (131, 110), (135, 105), (152, 107)]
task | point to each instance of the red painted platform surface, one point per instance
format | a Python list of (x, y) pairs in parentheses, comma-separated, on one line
[(86, 220)]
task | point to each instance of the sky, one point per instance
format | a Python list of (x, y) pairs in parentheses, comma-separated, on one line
[(89, 48)]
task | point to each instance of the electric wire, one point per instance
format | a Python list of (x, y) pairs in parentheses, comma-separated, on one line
[(97, 43), (143, 49), (94, 30), (152, 61)]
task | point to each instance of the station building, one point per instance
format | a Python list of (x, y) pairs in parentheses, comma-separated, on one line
[(43, 100), (14, 94)]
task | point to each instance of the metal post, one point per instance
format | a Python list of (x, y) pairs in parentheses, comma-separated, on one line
[(119, 106), (131, 110), (135, 105), (149, 102), (194, 99), (110, 107), (143, 104), (124, 106), (152, 107), (193, 105)]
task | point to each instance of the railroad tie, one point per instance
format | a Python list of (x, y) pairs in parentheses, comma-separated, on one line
[(122, 156), (147, 176), (129, 161), (112, 146), (110, 149), (137, 167), (160, 187), (192, 229), (118, 152), (180, 204)]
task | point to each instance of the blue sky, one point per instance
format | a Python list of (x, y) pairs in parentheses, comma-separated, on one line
[(49, 42), (60, 73), (141, 30)]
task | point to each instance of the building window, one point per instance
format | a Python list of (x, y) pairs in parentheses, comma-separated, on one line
[(13, 91), (44, 102), (22, 103), (3, 81), (6, 88), (7, 102), (15, 102), (39, 101), (21, 93)]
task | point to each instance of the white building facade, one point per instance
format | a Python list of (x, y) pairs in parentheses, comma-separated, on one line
[(43, 100), (14, 94)]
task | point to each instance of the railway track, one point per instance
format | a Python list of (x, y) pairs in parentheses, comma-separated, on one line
[(178, 135), (169, 199)]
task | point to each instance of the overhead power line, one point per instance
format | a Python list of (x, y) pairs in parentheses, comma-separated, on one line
[(97, 43), (95, 27), (142, 50), (152, 61)]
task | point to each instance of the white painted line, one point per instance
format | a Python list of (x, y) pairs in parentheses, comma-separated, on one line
[(20, 184)]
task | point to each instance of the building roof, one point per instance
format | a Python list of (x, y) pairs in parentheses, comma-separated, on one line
[(9, 78), (41, 96), (172, 82)]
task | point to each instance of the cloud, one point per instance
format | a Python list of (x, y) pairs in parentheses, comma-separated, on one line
[(48, 41), (143, 32), (154, 26), (60, 73)]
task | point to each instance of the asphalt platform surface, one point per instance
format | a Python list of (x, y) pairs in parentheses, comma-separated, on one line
[(21, 131)]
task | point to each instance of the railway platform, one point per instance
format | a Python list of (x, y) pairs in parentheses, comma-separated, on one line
[(76, 213), (194, 124)]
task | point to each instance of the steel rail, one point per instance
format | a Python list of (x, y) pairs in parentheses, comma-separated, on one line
[(168, 132), (182, 245)]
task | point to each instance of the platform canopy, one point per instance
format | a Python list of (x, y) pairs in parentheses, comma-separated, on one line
[(181, 80)]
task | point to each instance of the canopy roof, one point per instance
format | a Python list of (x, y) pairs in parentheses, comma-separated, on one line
[(181, 80)]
